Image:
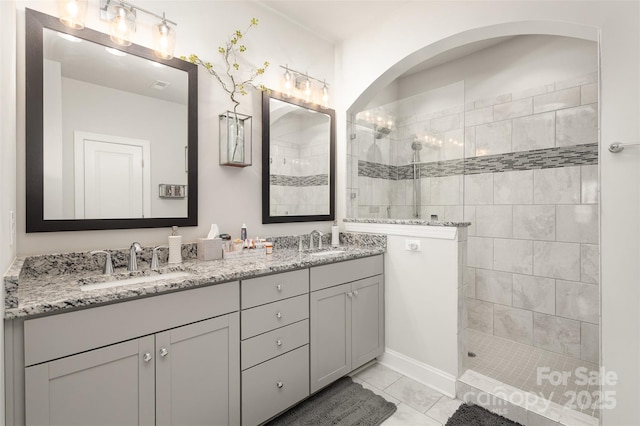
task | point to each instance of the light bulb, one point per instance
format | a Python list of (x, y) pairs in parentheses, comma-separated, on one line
[(72, 13)]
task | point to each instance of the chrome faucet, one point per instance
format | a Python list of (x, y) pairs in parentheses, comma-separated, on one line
[(108, 266), (319, 234), (155, 263), (133, 254)]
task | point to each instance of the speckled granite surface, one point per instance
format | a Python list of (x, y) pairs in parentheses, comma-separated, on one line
[(52, 283), (408, 222)]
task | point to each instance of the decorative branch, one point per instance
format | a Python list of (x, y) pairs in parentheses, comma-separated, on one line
[(231, 80)]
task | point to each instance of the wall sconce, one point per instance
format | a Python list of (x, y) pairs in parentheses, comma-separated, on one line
[(122, 18), (299, 85), (72, 13)]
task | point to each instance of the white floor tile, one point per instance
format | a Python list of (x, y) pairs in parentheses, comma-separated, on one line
[(379, 376), (413, 393), (443, 409), (407, 416)]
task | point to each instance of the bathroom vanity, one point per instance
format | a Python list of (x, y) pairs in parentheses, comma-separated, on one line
[(232, 342)]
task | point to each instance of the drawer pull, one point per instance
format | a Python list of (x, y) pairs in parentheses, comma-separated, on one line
[(279, 287), (350, 294), (279, 315), (278, 342), (355, 292), (279, 385), (147, 357), (164, 352)]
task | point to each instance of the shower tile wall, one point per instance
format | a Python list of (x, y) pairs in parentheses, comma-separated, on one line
[(528, 184), (299, 177), (532, 274)]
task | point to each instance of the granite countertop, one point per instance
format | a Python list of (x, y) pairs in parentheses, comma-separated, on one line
[(52, 293), (420, 222)]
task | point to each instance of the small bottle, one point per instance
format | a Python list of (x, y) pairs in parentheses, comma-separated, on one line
[(335, 235), (243, 232), (175, 246)]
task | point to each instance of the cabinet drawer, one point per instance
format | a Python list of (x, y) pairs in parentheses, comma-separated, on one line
[(258, 291), (69, 333), (343, 272), (272, 387), (274, 315), (273, 343)]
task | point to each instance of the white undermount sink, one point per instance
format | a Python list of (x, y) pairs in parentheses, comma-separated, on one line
[(327, 252), (134, 280)]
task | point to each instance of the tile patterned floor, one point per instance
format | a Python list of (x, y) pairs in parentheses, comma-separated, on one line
[(418, 405), (517, 365)]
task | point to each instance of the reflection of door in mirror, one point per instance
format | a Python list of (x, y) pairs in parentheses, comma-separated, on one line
[(86, 89), (111, 177), (299, 169)]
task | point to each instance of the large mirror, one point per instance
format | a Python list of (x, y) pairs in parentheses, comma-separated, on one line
[(111, 132), (298, 160)]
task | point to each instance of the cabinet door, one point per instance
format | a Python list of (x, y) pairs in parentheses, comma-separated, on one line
[(367, 320), (113, 385), (330, 335), (198, 373)]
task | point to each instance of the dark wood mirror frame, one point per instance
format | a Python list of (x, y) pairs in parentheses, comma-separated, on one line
[(266, 154), (35, 222)]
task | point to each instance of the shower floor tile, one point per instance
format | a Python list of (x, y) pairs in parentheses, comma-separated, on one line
[(534, 370)]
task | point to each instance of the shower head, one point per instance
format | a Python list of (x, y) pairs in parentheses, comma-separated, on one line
[(381, 132), (416, 145)]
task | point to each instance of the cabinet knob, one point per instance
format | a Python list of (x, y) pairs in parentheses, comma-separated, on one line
[(147, 357), (355, 292), (279, 315), (279, 385), (278, 342), (349, 294), (279, 287), (164, 352)]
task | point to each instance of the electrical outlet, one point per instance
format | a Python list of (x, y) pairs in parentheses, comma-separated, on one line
[(12, 230), (412, 245)]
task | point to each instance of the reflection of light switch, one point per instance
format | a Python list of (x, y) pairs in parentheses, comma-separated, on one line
[(412, 245)]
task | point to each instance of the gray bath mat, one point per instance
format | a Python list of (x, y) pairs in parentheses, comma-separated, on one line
[(474, 415), (343, 403)]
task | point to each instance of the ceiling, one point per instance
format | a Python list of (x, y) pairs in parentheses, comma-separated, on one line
[(333, 20)]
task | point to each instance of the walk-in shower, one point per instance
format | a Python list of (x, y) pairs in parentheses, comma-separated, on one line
[(509, 143)]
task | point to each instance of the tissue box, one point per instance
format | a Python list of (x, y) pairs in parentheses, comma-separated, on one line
[(209, 248)]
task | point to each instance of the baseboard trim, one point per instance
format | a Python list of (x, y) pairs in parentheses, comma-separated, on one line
[(439, 380)]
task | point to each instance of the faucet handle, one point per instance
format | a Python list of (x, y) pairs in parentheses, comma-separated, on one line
[(155, 263), (108, 266)]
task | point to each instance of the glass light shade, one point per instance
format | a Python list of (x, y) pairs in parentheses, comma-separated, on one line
[(122, 25), (288, 84), (307, 90), (72, 13), (324, 102), (164, 40)]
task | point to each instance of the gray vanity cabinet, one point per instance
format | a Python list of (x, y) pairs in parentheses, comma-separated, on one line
[(346, 319), (76, 374), (108, 386), (275, 344)]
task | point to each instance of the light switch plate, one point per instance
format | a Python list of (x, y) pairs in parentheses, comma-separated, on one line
[(412, 245)]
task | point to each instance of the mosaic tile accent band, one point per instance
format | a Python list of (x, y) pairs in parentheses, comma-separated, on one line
[(578, 155), (312, 180)]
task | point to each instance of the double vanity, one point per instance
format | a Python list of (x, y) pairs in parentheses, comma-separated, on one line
[(220, 342)]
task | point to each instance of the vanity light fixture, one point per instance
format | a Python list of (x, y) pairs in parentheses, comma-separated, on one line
[(122, 16), (300, 85), (72, 13)]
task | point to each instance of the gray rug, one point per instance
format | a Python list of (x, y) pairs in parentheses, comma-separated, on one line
[(343, 403), (474, 415)]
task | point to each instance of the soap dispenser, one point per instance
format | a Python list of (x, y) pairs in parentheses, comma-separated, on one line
[(175, 246)]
